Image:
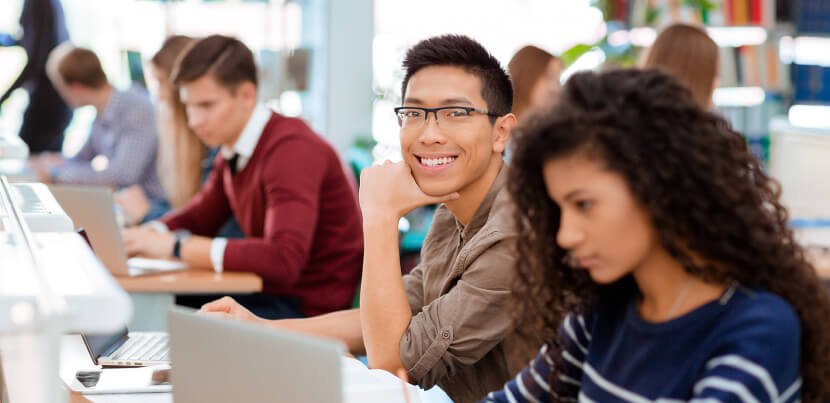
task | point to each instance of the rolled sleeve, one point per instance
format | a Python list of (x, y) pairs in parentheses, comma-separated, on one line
[(413, 283), (463, 325)]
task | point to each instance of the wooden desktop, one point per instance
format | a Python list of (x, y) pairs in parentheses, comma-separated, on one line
[(154, 294)]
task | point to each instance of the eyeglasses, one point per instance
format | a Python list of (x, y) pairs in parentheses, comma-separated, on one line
[(447, 117)]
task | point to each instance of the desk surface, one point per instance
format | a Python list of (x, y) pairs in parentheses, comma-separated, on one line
[(193, 281)]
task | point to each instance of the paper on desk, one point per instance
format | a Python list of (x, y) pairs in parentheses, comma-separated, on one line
[(74, 357), (364, 385), (122, 380), (132, 398), (142, 263)]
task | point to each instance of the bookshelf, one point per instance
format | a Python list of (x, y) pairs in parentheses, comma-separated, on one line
[(754, 83)]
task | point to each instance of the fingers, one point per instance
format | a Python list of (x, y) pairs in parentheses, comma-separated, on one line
[(224, 304), (130, 243), (221, 315)]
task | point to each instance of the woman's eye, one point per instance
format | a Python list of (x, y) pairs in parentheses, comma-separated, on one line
[(584, 204)]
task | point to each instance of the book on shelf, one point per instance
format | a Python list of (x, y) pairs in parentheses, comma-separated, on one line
[(813, 16), (754, 66), (812, 83), (763, 13)]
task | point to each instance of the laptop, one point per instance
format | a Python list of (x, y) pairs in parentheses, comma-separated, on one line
[(92, 208), (128, 349), (216, 360)]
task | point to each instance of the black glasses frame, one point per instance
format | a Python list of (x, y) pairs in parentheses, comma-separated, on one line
[(435, 111)]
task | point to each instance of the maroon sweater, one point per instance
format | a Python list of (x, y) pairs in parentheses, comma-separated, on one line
[(298, 210)]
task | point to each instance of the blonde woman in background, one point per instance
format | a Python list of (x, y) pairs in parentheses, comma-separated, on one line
[(688, 53), (181, 154), (183, 160), (534, 73)]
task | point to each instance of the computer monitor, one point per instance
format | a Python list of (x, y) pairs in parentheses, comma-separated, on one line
[(135, 68), (800, 161)]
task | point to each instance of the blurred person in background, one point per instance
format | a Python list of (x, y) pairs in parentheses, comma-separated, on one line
[(123, 131), (534, 73), (688, 53), (47, 115), (184, 162), (284, 184)]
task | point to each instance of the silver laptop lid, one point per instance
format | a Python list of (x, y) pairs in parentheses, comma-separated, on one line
[(218, 360), (92, 208)]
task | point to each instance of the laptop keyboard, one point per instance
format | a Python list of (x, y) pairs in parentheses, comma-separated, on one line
[(27, 199), (143, 347)]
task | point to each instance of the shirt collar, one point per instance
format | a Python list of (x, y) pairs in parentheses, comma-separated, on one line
[(247, 141), (483, 211)]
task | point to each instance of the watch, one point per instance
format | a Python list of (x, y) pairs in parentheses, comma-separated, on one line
[(180, 237)]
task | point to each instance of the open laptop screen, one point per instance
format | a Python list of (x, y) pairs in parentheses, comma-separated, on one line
[(102, 345)]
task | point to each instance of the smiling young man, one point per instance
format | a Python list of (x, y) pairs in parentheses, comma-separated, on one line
[(448, 322), (283, 183)]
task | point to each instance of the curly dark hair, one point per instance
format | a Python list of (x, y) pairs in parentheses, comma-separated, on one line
[(707, 195)]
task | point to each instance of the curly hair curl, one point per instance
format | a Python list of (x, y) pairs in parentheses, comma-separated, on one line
[(708, 198)]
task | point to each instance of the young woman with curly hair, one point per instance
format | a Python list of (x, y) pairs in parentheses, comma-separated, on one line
[(656, 257)]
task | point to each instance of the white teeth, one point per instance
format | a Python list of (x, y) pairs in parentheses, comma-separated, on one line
[(431, 162)]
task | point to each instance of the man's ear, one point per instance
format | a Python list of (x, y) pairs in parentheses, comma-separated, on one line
[(245, 90), (503, 128)]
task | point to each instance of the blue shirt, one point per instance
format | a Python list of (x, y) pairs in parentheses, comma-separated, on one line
[(125, 133), (744, 347)]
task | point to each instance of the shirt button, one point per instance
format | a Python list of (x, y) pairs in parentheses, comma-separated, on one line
[(445, 334)]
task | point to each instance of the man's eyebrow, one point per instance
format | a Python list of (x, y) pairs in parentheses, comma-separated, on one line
[(445, 102), (456, 101), (415, 101)]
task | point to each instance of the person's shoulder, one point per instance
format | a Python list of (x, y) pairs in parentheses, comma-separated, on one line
[(753, 303), (500, 224), (282, 129), (754, 314), (136, 98)]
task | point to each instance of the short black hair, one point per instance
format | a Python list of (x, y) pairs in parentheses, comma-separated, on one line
[(464, 52)]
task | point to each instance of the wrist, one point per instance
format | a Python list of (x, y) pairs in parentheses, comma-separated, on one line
[(140, 213), (179, 238), (379, 219)]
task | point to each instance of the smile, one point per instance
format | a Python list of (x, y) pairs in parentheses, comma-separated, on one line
[(436, 161)]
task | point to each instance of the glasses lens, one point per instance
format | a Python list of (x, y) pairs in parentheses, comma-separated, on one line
[(410, 117), (454, 114), (453, 117)]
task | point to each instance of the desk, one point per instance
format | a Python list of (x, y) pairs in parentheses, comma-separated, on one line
[(154, 294)]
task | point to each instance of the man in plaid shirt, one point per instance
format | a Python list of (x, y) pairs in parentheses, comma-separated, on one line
[(124, 130)]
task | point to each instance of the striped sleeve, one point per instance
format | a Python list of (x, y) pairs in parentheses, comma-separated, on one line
[(532, 385), (758, 362)]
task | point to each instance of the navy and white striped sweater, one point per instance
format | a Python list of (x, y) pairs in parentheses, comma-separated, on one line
[(744, 347)]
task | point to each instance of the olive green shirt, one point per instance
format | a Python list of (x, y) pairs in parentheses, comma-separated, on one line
[(461, 334)]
